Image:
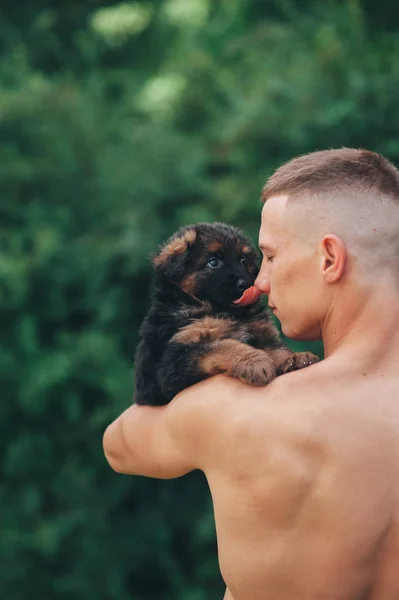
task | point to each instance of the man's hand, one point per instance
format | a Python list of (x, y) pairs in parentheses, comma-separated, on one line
[(155, 441)]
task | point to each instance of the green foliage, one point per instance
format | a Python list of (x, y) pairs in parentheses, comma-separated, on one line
[(120, 122)]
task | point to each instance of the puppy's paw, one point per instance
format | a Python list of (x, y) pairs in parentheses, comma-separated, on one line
[(298, 360), (256, 369)]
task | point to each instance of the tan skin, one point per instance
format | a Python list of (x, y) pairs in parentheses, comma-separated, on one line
[(304, 473)]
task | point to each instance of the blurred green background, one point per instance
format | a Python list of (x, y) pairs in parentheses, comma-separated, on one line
[(120, 122)]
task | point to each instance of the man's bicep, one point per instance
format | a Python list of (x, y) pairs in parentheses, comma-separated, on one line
[(149, 441), (169, 441)]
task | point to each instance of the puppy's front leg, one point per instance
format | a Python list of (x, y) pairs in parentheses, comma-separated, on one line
[(225, 350), (239, 360), (264, 335), (183, 365)]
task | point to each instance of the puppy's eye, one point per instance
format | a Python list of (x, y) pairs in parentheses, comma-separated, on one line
[(214, 262), (249, 264)]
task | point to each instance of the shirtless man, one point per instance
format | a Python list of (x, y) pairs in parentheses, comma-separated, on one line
[(304, 473)]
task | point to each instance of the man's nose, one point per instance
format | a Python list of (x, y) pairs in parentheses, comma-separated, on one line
[(263, 281)]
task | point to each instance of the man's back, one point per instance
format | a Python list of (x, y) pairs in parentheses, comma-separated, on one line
[(305, 488)]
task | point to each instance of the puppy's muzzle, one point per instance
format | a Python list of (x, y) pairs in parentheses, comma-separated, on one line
[(241, 284)]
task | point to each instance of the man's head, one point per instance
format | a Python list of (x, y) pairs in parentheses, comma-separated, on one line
[(330, 223)]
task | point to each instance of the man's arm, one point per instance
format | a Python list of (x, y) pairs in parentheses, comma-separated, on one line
[(149, 441), (167, 441), (186, 434)]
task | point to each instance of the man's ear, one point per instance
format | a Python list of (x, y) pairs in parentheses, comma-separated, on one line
[(333, 258), (172, 257)]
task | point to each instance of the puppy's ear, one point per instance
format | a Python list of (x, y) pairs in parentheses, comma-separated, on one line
[(172, 257)]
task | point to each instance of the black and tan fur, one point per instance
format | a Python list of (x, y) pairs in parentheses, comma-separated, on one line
[(193, 330)]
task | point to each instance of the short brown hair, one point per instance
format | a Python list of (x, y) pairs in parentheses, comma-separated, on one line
[(357, 170)]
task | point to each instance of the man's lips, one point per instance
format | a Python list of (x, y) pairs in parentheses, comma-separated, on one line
[(250, 296)]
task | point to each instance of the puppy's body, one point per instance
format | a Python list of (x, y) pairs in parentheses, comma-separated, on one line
[(193, 330)]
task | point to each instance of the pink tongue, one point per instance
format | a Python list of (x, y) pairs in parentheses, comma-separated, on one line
[(249, 296)]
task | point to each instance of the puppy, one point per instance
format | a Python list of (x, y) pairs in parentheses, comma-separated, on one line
[(202, 321)]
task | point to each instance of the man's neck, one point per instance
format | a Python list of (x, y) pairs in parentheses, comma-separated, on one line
[(365, 325)]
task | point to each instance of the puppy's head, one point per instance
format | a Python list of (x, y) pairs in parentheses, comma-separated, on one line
[(210, 261)]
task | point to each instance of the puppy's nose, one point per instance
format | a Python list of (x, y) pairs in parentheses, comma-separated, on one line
[(242, 284)]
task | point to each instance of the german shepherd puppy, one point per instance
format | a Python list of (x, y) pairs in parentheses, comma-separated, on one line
[(199, 324)]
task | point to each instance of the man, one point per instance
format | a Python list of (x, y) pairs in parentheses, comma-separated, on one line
[(304, 473)]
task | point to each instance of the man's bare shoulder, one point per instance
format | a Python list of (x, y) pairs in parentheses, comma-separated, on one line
[(222, 397), (212, 394), (215, 410), (220, 408), (205, 408)]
